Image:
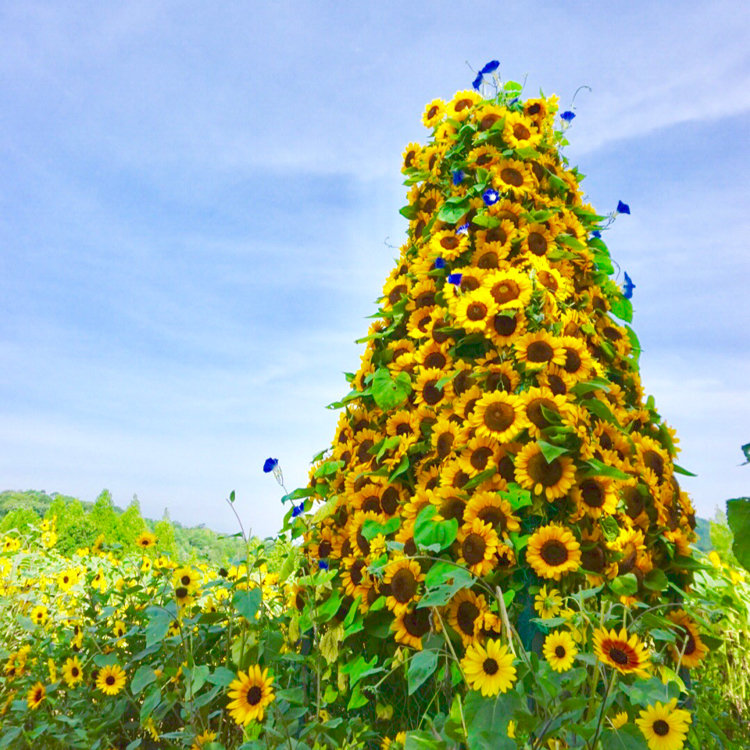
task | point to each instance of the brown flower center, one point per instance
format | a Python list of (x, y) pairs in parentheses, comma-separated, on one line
[(444, 444), (505, 291), (432, 111), (511, 176), (483, 159), (560, 652), (449, 243), (537, 243), (403, 585), (479, 458), (356, 572), (254, 694), (660, 727), (466, 614), (592, 493), (499, 416), (541, 472), (554, 552), (435, 359), (618, 656), (490, 666), (539, 351), (453, 507), (109, 679), (417, 622), (431, 394), (572, 361), (654, 462), (476, 311), (389, 501), (488, 259), (557, 385), (521, 132), (493, 516), (497, 234), (505, 325), (473, 549), (488, 121), (536, 415)]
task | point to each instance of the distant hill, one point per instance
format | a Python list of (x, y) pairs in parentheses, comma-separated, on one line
[(79, 523)]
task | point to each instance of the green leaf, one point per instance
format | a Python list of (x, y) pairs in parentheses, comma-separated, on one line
[(142, 678), (479, 478), (247, 603), (656, 580), (452, 212), (221, 676), (487, 720), (419, 740), (551, 452), (679, 470), (390, 392), (159, 622), (635, 344), (197, 677), (595, 384), (566, 239), (432, 534), (527, 152), (400, 469), (599, 469), (622, 308), (328, 468), (358, 668), (738, 518), (409, 212), (150, 702), (486, 220), (601, 410), (628, 737), (626, 585), (746, 452), (421, 667), (329, 608), (371, 528)]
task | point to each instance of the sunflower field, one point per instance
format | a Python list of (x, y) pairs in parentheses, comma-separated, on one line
[(495, 551)]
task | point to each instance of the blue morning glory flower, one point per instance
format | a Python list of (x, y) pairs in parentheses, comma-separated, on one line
[(439, 262), (322, 564), (567, 116), (627, 287), (490, 67), (596, 233), (297, 509), (458, 177), (513, 101), (622, 208), (477, 81), (270, 464), (455, 278), (463, 229), (490, 196)]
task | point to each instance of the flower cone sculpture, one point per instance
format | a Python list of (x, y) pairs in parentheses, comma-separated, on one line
[(495, 455)]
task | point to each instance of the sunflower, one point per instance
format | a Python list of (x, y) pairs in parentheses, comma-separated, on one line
[(203, 739), (461, 104), (509, 288), (411, 626), (146, 540), (466, 614), (36, 696), (483, 157), (539, 349), (72, 671), (488, 115), (500, 376), (553, 551), (446, 437), (537, 240), (111, 679), (560, 650), (354, 575), (479, 455), (402, 578), (626, 655), (513, 175), (187, 577), (520, 131), (251, 693), (40, 614), (489, 669), (411, 156), (491, 508), (548, 603), (595, 496), (537, 401), (689, 649), (550, 478), (475, 311), (479, 543), (507, 327), (664, 725), (433, 113)]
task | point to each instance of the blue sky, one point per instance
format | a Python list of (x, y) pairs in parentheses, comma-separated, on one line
[(197, 202)]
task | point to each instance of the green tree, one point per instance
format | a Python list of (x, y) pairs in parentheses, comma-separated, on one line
[(104, 517), (165, 534), (130, 524)]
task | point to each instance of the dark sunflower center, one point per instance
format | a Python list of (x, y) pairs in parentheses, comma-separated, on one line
[(592, 493), (453, 507), (554, 552), (593, 559), (496, 234), (430, 205), (654, 462), (389, 501), (612, 333), (417, 622), (634, 504), (396, 292), (488, 260), (432, 112), (426, 299), (463, 104), (403, 585), (511, 176), (661, 728), (466, 614), (488, 121), (521, 132), (539, 351), (371, 503), (618, 656), (444, 444), (435, 359), (362, 543), (490, 666), (254, 694), (185, 580), (499, 416), (688, 645), (409, 158), (476, 311), (541, 472), (560, 652), (363, 452), (430, 393), (449, 242), (548, 280), (534, 109), (557, 385), (505, 291), (479, 458), (493, 516), (536, 415), (483, 159), (537, 243), (181, 592), (473, 549), (572, 361), (505, 325), (356, 573), (506, 469), (469, 283), (109, 679), (74, 672)]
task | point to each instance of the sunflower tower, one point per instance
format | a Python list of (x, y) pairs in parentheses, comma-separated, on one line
[(497, 420)]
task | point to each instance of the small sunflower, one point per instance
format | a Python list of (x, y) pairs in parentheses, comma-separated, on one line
[(461, 104), (507, 327), (489, 670), (36, 696), (72, 671), (553, 551), (402, 578), (475, 311), (411, 626), (498, 415), (560, 650), (538, 349), (111, 679), (426, 389), (466, 614), (689, 648), (478, 542), (664, 726), (520, 131), (552, 478), (433, 113), (251, 693), (411, 156), (626, 654), (548, 603), (479, 454), (595, 496), (509, 288), (146, 540), (513, 175), (491, 508)]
